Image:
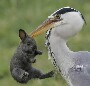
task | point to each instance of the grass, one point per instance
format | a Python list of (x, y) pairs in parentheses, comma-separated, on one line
[(28, 14)]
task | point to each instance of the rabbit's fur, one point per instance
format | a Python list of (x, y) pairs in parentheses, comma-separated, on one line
[(21, 63)]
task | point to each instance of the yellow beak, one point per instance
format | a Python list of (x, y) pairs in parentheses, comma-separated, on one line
[(46, 25)]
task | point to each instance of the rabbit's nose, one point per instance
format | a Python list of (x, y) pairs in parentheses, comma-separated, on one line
[(30, 52)]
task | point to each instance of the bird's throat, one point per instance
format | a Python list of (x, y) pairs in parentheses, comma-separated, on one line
[(62, 54)]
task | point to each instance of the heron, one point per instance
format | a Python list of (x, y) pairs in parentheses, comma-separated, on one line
[(60, 26)]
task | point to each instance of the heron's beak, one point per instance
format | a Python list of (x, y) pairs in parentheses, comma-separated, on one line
[(46, 25)]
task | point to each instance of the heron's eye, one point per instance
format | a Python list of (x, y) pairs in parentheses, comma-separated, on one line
[(57, 16)]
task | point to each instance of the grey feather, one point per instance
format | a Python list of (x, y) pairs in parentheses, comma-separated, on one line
[(79, 75)]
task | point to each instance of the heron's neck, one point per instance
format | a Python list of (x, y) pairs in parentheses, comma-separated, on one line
[(62, 46), (62, 53), (59, 45)]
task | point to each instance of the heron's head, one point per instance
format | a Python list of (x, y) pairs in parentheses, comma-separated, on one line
[(65, 22)]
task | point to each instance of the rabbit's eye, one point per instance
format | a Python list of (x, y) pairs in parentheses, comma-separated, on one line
[(28, 43)]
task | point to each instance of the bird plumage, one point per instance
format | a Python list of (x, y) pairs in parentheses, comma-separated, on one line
[(79, 74)]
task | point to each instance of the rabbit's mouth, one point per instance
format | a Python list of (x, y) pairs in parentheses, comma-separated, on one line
[(29, 52)]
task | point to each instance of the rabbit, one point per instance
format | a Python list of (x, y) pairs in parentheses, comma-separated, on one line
[(21, 64)]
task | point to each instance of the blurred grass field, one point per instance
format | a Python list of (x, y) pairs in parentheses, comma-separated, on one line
[(28, 14)]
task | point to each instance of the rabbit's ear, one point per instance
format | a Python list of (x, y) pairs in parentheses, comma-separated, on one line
[(22, 34)]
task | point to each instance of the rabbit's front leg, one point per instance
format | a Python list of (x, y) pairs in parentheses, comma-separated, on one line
[(38, 52), (47, 75), (38, 74)]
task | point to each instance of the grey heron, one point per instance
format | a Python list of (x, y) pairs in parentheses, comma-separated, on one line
[(60, 26)]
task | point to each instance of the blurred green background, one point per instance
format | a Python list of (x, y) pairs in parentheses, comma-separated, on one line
[(28, 14)]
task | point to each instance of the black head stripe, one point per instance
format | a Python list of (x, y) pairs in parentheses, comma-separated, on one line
[(67, 9)]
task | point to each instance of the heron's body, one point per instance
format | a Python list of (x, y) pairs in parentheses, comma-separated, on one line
[(74, 66), (79, 75), (71, 64)]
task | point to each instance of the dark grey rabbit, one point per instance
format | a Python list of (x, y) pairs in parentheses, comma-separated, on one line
[(21, 63)]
